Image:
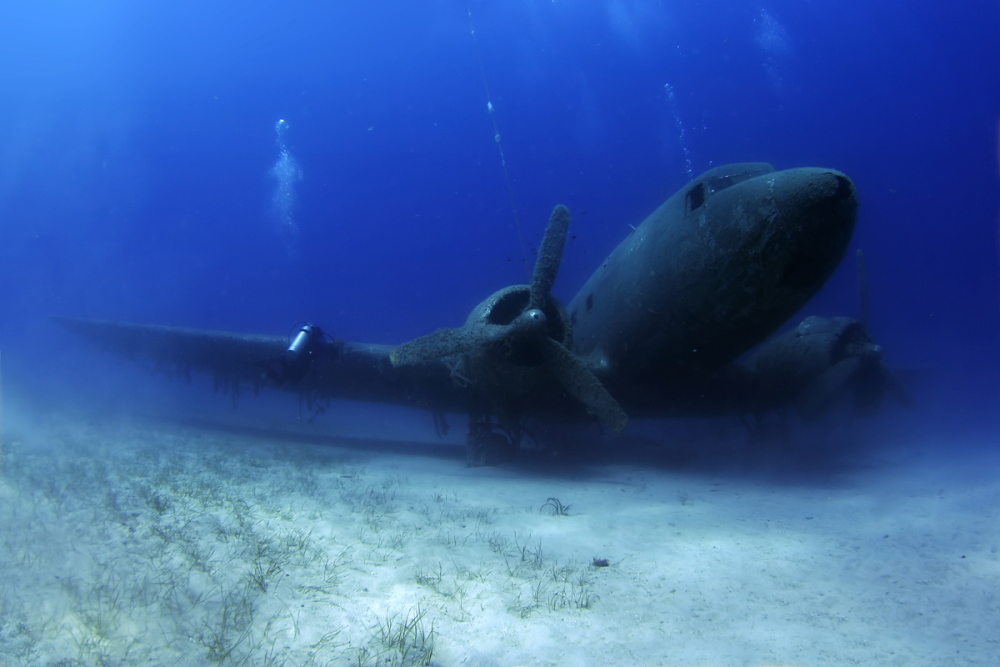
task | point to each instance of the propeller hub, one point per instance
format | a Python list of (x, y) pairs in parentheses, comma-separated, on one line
[(532, 320), (510, 307)]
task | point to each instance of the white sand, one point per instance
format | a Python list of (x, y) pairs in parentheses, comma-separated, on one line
[(147, 543)]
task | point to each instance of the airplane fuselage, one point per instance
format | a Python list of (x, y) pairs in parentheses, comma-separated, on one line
[(713, 271)]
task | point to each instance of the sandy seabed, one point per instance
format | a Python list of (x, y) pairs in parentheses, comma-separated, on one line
[(134, 542)]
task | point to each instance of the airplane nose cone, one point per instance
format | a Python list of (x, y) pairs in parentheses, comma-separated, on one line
[(817, 209), (810, 189)]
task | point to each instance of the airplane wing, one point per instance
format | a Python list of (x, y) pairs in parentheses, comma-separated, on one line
[(334, 369)]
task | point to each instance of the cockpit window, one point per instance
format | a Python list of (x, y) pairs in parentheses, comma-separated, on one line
[(695, 197), (722, 182), (721, 178)]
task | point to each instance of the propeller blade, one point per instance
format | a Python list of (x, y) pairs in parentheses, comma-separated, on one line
[(584, 385), (441, 343), (866, 379), (468, 339), (862, 287), (831, 386), (895, 387), (549, 256)]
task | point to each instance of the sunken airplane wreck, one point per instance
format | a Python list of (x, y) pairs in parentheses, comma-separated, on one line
[(656, 331)]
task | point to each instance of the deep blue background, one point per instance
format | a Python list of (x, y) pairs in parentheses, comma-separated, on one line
[(136, 141)]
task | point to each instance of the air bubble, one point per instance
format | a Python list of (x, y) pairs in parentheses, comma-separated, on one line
[(286, 173)]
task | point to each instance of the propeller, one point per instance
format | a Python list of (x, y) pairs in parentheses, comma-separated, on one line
[(856, 371), (827, 360), (822, 362), (519, 330)]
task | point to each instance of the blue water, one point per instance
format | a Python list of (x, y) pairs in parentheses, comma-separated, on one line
[(246, 166), (379, 167)]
